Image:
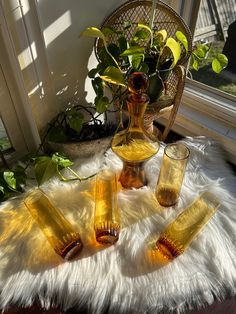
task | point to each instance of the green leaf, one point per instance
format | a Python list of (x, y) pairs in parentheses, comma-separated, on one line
[(10, 179), (76, 124), (132, 51), (102, 104), (114, 50), (93, 72), (155, 87), (216, 66), (45, 169), (122, 44), (174, 46), (150, 34), (76, 121), (1, 189), (101, 68), (201, 51), (146, 27), (140, 35), (143, 68), (108, 31), (10, 182), (219, 63), (195, 63), (182, 39), (20, 176), (136, 60), (161, 35), (56, 134), (98, 86), (61, 160), (2, 193), (93, 32), (105, 58), (113, 75)]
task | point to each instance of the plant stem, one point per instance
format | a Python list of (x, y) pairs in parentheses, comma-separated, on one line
[(87, 110), (60, 175), (153, 11), (78, 177), (74, 173), (108, 52)]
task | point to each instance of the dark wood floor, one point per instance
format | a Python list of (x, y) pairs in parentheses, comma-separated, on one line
[(225, 307)]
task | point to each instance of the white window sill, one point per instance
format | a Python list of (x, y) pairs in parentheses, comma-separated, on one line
[(212, 114)]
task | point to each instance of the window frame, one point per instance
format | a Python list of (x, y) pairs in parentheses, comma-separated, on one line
[(16, 112), (205, 110)]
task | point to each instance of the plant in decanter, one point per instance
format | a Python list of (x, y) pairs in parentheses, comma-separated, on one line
[(135, 145)]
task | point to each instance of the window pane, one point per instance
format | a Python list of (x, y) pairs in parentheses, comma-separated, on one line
[(216, 26), (4, 140)]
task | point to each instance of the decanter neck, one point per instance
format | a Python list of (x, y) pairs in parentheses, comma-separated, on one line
[(136, 107)]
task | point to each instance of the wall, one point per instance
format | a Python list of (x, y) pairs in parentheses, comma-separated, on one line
[(53, 59), (69, 56)]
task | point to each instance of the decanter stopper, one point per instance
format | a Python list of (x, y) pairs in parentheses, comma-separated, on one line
[(138, 83), (137, 87)]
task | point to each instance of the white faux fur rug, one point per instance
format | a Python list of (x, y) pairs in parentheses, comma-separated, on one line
[(119, 278)]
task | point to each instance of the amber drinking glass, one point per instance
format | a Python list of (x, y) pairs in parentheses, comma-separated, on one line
[(58, 230), (107, 215), (171, 173), (175, 239)]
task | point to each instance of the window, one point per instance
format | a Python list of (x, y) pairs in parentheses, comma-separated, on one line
[(214, 19), (5, 144), (18, 134), (11, 137), (206, 110)]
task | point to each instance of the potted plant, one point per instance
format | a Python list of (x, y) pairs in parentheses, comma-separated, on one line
[(80, 131), (150, 51)]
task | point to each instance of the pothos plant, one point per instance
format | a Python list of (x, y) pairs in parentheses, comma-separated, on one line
[(150, 51), (79, 123), (14, 179)]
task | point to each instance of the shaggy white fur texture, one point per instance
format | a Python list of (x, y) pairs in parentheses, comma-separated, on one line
[(120, 278)]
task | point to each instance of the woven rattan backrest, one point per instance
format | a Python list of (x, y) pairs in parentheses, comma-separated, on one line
[(139, 11)]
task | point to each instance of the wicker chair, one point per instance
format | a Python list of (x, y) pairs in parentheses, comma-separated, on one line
[(165, 18)]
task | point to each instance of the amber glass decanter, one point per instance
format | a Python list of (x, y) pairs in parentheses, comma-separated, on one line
[(134, 145)]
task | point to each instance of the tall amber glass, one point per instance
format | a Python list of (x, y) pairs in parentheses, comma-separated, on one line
[(175, 239), (107, 214), (134, 145), (58, 230), (171, 173)]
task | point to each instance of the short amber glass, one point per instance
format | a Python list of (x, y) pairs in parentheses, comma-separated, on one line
[(171, 173), (58, 230), (107, 214), (175, 239)]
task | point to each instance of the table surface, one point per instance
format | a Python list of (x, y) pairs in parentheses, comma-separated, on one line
[(119, 278)]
